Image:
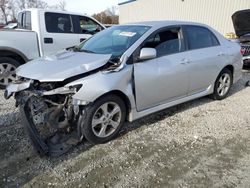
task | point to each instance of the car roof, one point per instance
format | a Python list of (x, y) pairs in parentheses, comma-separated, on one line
[(166, 23)]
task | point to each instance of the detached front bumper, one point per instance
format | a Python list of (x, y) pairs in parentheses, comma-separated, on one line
[(13, 88), (38, 143), (47, 146)]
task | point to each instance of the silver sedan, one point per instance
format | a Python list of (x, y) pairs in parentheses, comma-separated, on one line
[(121, 74)]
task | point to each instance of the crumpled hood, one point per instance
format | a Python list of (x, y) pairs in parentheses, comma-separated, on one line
[(61, 66), (241, 22)]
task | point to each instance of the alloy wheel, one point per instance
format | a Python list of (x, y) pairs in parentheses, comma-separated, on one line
[(7, 73), (106, 119), (224, 84)]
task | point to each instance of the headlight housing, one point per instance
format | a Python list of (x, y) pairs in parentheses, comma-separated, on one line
[(64, 90)]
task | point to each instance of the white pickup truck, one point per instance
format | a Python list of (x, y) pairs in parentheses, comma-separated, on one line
[(41, 33)]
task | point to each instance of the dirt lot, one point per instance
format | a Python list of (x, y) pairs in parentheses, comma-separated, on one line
[(203, 143)]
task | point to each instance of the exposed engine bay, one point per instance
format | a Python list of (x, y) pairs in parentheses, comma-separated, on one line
[(51, 121), (54, 121)]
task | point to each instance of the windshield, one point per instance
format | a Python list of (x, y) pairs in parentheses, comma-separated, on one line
[(114, 40)]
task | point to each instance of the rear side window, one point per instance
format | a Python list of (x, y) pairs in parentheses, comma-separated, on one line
[(27, 24), (24, 20), (200, 37), (20, 20), (58, 23)]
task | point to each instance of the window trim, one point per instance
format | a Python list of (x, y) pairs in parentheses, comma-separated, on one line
[(186, 37), (136, 53)]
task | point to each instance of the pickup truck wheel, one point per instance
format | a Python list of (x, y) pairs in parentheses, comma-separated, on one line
[(104, 119), (7, 71)]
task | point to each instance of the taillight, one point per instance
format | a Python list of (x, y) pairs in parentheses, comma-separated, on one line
[(242, 51)]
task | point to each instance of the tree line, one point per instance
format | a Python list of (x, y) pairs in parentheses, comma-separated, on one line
[(109, 16), (10, 8)]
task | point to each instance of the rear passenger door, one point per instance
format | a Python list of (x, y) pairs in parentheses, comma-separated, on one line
[(204, 58), (58, 33)]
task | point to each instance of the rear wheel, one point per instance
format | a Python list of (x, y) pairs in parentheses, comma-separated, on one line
[(7, 71), (222, 85), (104, 119)]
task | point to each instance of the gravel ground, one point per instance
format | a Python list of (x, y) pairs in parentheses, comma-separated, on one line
[(202, 143)]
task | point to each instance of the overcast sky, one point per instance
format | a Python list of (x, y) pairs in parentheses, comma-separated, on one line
[(86, 6)]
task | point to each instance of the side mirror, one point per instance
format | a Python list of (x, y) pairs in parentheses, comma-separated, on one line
[(147, 53)]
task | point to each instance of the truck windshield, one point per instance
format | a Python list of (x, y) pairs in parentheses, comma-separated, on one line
[(114, 40)]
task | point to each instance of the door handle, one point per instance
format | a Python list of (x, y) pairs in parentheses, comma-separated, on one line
[(82, 39), (48, 40)]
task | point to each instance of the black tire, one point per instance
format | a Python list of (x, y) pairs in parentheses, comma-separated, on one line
[(8, 60), (217, 95), (91, 111), (247, 83)]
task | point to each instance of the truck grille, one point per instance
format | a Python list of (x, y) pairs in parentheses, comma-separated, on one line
[(245, 50)]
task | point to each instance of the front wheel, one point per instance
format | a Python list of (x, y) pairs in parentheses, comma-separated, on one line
[(7, 71), (222, 85), (104, 119)]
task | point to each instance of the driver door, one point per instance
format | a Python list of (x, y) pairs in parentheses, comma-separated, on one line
[(164, 78)]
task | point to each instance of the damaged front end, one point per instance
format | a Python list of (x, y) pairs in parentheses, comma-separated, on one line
[(48, 114)]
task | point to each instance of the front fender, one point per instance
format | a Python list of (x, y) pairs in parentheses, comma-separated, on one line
[(101, 83)]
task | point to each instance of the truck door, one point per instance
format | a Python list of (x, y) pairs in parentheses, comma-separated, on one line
[(58, 33), (85, 27)]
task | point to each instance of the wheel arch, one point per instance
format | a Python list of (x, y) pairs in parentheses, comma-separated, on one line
[(229, 67), (13, 53), (124, 97)]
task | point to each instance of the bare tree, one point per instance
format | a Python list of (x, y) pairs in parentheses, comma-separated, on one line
[(36, 4), (62, 5), (107, 17), (4, 7), (21, 4), (10, 8), (111, 13)]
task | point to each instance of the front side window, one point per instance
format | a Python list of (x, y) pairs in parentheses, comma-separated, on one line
[(114, 40), (165, 42), (58, 23), (200, 37), (88, 26)]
